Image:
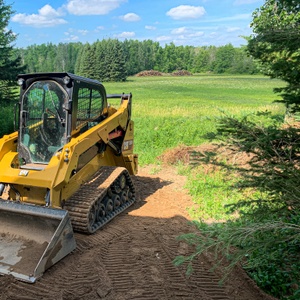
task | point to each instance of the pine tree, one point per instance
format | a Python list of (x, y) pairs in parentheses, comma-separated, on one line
[(9, 64), (114, 61), (78, 61), (100, 65), (87, 62), (118, 69)]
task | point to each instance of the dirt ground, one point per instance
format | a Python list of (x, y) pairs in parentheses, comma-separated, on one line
[(131, 257)]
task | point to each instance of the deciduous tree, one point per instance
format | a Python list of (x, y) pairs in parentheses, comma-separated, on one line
[(276, 44)]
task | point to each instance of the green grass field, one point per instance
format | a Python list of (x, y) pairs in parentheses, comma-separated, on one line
[(170, 111)]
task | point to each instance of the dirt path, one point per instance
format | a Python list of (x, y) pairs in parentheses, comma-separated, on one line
[(131, 257)]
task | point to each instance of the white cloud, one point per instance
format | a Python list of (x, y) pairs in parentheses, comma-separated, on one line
[(181, 37), (130, 17), (125, 35), (47, 17), (196, 34), (48, 11), (99, 28), (163, 38), (186, 35), (233, 29), (180, 30), (150, 27), (92, 7), (83, 32), (70, 37), (183, 12)]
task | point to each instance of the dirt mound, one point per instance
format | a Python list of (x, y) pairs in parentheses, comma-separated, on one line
[(149, 73), (205, 154), (182, 73), (132, 256), (157, 73)]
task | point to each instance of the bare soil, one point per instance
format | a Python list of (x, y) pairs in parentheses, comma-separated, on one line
[(132, 256)]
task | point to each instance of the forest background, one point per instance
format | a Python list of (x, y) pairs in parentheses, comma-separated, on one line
[(114, 60)]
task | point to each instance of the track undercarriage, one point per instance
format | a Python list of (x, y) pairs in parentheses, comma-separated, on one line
[(107, 194)]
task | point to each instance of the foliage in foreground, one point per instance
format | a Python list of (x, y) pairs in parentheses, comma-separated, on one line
[(266, 235), (267, 250)]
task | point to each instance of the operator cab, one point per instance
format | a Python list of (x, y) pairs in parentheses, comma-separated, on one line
[(53, 108)]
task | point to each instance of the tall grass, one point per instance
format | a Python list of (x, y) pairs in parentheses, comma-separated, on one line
[(169, 111)]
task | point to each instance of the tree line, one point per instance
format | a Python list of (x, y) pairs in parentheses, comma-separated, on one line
[(114, 60)]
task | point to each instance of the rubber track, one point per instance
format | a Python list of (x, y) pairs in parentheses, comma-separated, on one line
[(91, 194)]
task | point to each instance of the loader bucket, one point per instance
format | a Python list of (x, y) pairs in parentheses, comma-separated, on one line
[(32, 239)]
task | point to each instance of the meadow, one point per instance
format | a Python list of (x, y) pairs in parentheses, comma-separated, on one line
[(169, 111), (185, 111)]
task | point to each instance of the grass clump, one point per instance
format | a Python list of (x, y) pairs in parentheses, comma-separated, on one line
[(211, 191)]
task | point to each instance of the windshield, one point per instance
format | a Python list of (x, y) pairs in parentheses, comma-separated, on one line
[(42, 121)]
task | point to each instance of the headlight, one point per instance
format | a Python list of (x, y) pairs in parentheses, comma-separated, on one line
[(66, 80), (20, 81)]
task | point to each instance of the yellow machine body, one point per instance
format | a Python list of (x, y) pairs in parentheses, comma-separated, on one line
[(36, 185)]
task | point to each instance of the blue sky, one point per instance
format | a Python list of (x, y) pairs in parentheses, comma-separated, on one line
[(183, 22)]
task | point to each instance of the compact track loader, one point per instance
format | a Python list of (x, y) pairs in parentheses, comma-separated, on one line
[(67, 167)]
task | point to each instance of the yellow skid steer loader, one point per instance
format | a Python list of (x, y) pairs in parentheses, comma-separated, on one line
[(66, 167)]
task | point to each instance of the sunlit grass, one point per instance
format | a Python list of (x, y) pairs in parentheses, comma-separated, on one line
[(211, 191), (169, 110)]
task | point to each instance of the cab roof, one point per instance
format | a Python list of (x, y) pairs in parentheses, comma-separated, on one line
[(58, 75)]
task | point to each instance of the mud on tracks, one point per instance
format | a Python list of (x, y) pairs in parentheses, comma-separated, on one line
[(131, 257)]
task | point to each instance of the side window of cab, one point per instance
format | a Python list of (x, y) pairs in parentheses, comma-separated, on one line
[(89, 108)]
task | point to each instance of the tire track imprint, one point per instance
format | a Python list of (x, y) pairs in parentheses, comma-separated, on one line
[(132, 256)]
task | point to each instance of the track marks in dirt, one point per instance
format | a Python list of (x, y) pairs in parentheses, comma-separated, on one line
[(202, 278), (131, 257), (138, 263)]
